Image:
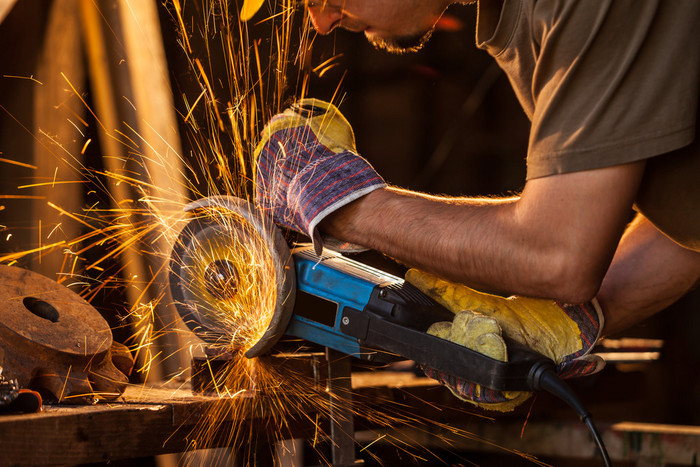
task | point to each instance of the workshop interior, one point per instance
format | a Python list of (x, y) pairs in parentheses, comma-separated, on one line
[(153, 316)]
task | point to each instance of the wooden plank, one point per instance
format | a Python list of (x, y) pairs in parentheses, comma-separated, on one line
[(58, 123), (147, 421), (156, 420), (151, 421), (88, 434), (5, 7), (160, 423)]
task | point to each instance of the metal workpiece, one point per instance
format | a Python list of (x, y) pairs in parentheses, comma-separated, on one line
[(211, 371), (55, 342)]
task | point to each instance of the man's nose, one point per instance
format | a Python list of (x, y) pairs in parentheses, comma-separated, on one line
[(324, 17)]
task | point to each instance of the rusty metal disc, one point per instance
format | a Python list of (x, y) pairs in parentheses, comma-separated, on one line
[(40, 315), (54, 341)]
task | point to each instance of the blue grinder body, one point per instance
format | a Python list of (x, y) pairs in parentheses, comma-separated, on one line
[(373, 315), (348, 284)]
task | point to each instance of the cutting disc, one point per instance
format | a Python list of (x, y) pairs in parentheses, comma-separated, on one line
[(232, 277)]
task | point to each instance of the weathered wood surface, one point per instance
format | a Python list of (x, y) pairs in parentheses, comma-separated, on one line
[(147, 421), (152, 421), (102, 432)]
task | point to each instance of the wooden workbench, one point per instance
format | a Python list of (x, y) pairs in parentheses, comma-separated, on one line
[(146, 421), (151, 421)]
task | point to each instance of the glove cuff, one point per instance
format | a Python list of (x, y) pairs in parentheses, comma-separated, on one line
[(601, 321), (582, 366), (590, 320), (317, 239), (314, 198)]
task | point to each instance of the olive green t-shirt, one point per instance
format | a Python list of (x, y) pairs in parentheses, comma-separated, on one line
[(608, 82)]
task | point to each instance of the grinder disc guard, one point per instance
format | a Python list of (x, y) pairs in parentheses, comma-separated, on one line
[(232, 276)]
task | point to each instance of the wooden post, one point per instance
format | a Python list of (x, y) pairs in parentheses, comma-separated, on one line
[(132, 95), (58, 127)]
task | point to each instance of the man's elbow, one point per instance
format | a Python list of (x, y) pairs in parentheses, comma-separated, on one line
[(574, 281)]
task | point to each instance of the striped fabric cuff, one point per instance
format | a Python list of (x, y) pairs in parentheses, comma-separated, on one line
[(328, 185), (590, 320)]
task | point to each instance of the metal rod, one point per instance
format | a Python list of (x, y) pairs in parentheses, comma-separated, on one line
[(342, 419)]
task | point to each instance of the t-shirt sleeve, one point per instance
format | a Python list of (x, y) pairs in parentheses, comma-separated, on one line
[(613, 84)]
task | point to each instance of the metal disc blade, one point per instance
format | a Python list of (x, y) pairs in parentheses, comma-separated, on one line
[(232, 277)]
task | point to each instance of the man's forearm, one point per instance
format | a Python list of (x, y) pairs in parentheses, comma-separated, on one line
[(648, 273), (554, 241), (482, 243), (432, 233)]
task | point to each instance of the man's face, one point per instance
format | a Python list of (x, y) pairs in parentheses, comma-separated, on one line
[(394, 25)]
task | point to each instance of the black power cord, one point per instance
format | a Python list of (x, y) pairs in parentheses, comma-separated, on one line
[(544, 378)]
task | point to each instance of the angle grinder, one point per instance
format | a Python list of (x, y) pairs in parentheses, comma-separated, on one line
[(237, 285), (235, 281)]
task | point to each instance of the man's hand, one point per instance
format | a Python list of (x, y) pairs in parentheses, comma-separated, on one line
[(564, 333), (308, 167)]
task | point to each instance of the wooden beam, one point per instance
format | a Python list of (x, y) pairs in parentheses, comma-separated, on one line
[(133, 97), (58, 130)]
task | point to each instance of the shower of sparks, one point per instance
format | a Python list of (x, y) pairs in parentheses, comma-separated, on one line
[(260, 398)]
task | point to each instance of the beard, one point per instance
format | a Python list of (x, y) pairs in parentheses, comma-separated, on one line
[(401, 45)]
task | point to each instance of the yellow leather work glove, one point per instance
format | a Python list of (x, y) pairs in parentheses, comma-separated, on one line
[(565, 333)]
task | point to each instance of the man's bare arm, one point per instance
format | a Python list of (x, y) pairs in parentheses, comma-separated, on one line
[(556, 240), (648, 273)]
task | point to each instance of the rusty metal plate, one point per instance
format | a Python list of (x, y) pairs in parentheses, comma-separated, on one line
[(54, 341), (38, 314)]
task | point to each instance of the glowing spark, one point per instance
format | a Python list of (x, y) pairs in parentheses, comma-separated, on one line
[(82, 151), (30, 78), (66, 213), (52, 183), (324, 67), (63, 388), (370, 444), (211, 92), (178, 11), (202, 94), (57, 227), (83, 101), (76, 126), (20, 164), (129, 101), (21, 254)]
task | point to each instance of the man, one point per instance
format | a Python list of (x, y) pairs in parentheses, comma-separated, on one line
[(611, 89)]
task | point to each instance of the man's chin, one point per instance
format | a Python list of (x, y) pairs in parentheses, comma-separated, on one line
[(399, 45)]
